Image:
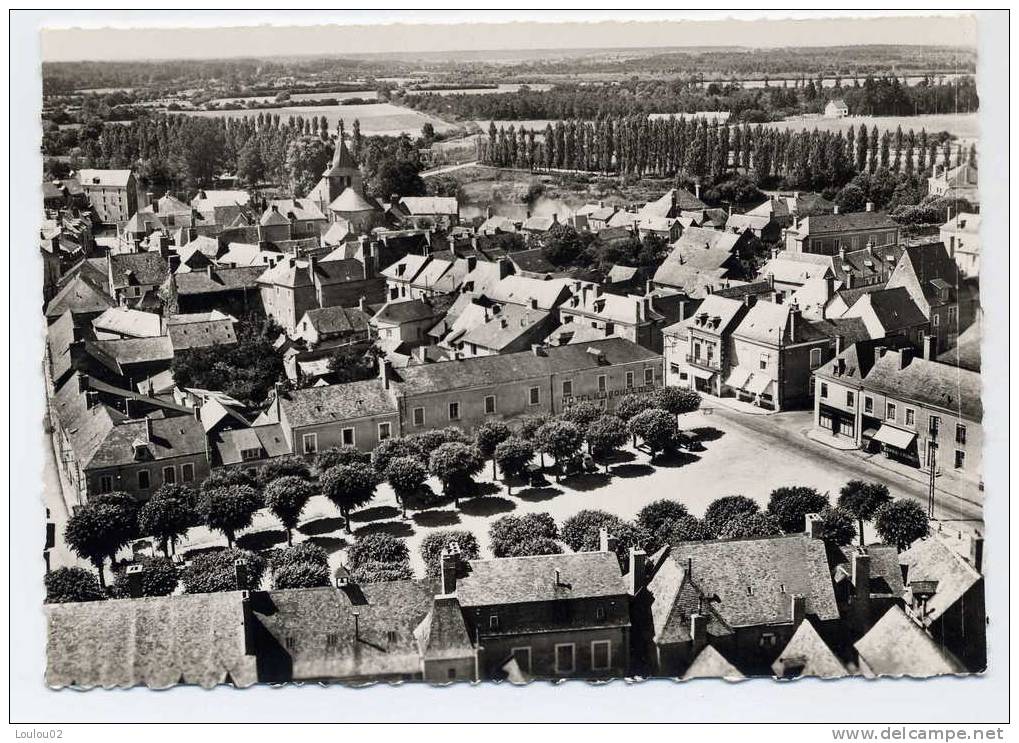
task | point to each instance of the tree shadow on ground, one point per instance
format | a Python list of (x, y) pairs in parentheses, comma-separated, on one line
[(199, 551), (329, 544), (376, 513), (708, 433), (633, 470), (394, 528), (482, 489), (587, 481), (486, 506), (436, 518), (673, 459), (426, 498), (324, 525), (536, 495), (261, 540), (618, 457)]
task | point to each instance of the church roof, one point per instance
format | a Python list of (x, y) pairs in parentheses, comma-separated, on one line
[(342, 162), (351, 201)]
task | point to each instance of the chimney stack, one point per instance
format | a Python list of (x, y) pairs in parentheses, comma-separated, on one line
[(870, 206), (930, 346), (976, 553), (798, 608), (638, 571), (815, 526), (241, 573), (449, 563), (82, 381), (835, 209), (699, 632), (148, 430), (606, 542), (385, 372), (860, 568), (134, 574)]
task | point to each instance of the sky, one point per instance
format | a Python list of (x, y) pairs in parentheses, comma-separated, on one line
[(134, 35)]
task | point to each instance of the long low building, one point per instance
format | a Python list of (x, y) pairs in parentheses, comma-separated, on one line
[(464, 393)]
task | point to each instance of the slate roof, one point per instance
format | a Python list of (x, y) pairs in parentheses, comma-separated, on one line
[(773, 568), (247, 254), (329, 320), (809, 655), (496, 223), (199, 330), (134, 323), (674, 599), (725, 310), (895, 309), (59, 337), (155, 642), (509, 325), (671, 203), (406, 310), (966, 351), (407, 268), (138, 350), (146, 268), (228, 444), (532, 261), (710, 663), (301, 209), (92, 176), (342, 161), (522, 580), (425, 205), (522, 289), (513, 367), (897, 646), (177, 436), (336, 402), (442, 634), (933, 268), (220, 197), (824, 224), (218, 280), (766, 322), (338, 231), (885, 571), (931, 559), (740, 222), (801, 204), (80, 296), (351, 201), (316, 627)]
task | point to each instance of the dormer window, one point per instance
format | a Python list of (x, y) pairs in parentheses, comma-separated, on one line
[(250, 454)]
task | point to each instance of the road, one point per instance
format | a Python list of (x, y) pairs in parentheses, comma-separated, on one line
[(785, 435), (447, 169)]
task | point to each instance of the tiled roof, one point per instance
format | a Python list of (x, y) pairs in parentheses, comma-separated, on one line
[(155, 642), (755, 578), (327, 320), (521, 580), (361, 632), (94, 177), (513, 367), (218, 280), (931, 559), (200, 330), (145, 268), (710, 663), (138, 350), (229, 443), (337, 402), (823, 224), (443, 633), (79, 295), (896, 646), (808, 655)]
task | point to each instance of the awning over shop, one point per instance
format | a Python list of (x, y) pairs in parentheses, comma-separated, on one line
[(758, 384), (738, 378), (895, 437), (702, 373)]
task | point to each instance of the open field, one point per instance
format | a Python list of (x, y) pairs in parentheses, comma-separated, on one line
[(964, 126), (376, 118)]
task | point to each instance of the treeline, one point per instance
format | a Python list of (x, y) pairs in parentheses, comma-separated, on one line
[(704, 151), (178, 152), (882, 96)]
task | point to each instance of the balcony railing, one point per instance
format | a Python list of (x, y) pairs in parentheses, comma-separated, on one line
[(704, 363)]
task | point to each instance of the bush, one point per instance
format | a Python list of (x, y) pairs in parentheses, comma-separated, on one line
[(750, 526), (299, 554), (381, 572), (377, 547), (722, 509), (535, 546), (433, 545), (789, 505), (159, 578), (72, 585), (660, 514), (290, 465), (301, 575), (216, 571), (336, 456), (507, 533)]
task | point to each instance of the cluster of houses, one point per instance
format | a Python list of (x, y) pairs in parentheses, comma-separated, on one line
[(791, 305), (788, 606)]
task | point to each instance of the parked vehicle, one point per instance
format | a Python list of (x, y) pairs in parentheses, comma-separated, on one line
[(689, 440)]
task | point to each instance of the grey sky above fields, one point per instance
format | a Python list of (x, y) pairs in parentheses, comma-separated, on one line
[(135, 35)]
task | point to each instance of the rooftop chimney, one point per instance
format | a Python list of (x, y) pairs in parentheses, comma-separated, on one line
[(835, 209), (870, 206), (860, 567), (797, 608), (134, 574), (606, 542), (385, 372), (449, 563), (815, 525), (976, 553), (148, 429), (241, 573), (638, 571), (82, 381), (699, 631), (930, 347)]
